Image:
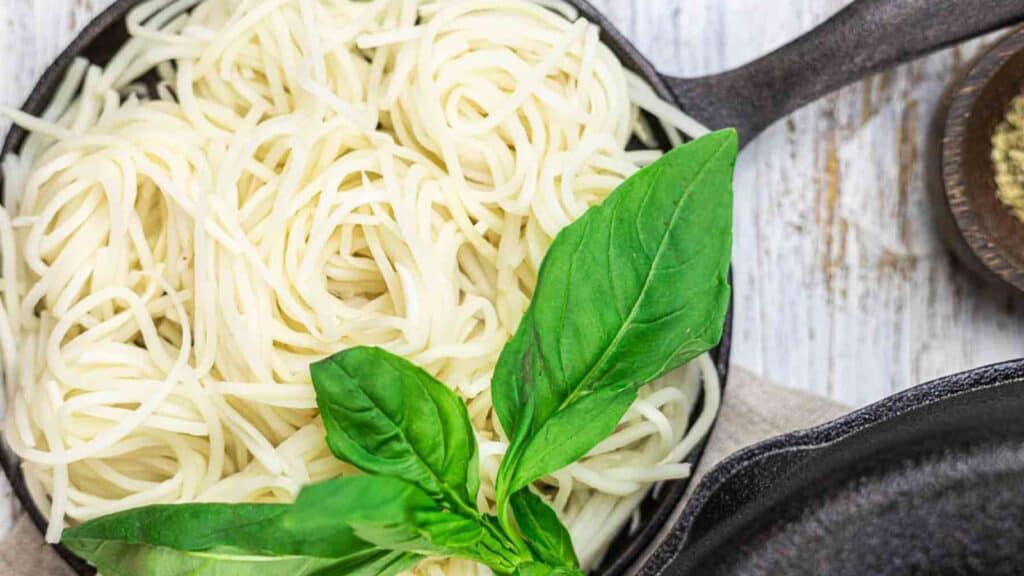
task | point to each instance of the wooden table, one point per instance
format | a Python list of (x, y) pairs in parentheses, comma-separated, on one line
[(842, 286)]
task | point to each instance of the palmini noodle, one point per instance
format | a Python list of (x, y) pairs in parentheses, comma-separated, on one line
[(301, 176)]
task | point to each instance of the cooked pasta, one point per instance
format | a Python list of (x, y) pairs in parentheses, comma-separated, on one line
[(251, 185)]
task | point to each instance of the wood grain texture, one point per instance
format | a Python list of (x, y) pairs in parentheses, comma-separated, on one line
[(842, 285)]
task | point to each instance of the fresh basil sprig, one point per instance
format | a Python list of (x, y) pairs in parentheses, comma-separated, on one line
[(544, 533), (395, 515), (634, 288), (390, 418)]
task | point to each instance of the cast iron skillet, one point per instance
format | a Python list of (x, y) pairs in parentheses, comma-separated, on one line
[(866, 37), (929, 481)]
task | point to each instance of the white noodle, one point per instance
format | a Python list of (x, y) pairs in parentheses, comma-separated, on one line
[(314, 175)]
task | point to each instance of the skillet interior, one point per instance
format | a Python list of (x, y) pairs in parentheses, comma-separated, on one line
[(101, 38)]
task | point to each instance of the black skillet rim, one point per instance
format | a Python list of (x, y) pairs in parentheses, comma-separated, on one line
[(668, 505)]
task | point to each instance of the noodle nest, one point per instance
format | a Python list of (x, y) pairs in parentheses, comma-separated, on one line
[(249, 186)]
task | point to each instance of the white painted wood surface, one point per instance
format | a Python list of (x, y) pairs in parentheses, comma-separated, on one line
[(842, 286)]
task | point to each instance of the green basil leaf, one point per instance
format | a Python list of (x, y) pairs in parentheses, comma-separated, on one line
[(538, 569), (337, 515), (113, 558), (544, 533), (566, 437), (191, 527), (635, 287), (217, 539), (382, 563), (389, 417), (393, 514)]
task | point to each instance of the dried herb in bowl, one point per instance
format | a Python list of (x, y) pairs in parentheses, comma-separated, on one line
[(1008, 157)]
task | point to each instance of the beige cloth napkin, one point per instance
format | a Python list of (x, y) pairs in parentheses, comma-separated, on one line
[(752, 411)]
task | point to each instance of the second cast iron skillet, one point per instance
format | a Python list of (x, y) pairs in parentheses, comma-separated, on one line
[(866, 37), (929, 481)]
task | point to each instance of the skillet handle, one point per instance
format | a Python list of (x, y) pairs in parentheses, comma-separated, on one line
[(865, 37)]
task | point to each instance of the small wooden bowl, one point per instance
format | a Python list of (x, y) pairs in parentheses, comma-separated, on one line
[(975, 223)]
